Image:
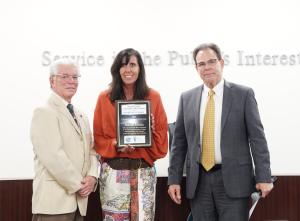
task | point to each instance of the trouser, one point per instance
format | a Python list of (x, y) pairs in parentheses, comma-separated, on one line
[(75, 216), (211, 202)]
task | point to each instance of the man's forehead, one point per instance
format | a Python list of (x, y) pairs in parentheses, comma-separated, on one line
[(67, 67), (206, 53)]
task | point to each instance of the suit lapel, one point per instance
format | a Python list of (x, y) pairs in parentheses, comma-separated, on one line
[(197, 104), (59, 105), (81, 125), (82, 128), (66, 112), (227, 100)]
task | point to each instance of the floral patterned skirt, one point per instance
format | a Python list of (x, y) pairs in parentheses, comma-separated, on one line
[(127, 195)]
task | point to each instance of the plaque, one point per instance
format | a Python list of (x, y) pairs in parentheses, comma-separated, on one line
[(133, 123)]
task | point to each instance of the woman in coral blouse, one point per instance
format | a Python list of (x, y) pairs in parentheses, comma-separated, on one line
[(128, 176)]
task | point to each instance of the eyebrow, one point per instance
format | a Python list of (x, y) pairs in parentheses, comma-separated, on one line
[(129, 63), (76, 74), (209, 60)]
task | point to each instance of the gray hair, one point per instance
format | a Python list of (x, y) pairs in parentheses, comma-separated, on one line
[(62, 61)]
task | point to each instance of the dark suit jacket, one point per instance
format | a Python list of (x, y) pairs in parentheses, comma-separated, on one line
[(242, 135)]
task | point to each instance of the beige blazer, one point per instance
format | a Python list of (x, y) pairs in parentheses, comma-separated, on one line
[(64, 155)]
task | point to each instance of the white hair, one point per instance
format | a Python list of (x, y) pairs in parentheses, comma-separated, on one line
[(62, 61)]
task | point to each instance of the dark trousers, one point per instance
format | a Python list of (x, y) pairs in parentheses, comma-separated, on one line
[(211, 202)]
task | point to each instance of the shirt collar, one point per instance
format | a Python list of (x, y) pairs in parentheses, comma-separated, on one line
[(218, 89), (60, 98)]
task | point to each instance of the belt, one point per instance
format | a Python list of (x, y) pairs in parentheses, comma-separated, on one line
[(216, 167), (127, 163)]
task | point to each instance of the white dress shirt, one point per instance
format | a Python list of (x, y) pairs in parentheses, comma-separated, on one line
[(218, 98)]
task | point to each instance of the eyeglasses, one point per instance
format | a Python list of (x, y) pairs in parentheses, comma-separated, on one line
[(209, 63), (66, 77)]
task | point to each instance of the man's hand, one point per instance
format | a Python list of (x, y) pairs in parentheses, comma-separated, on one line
[(87, 186), (265, 188), (174, 193)]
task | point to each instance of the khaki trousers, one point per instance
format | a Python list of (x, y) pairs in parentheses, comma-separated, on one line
[(59, 217)]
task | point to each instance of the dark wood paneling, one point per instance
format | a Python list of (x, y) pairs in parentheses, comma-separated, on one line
[(282, 204), (94, 207), (166, 209), (15, 200)]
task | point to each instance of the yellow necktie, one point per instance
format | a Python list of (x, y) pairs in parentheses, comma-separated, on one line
[(208, 134)]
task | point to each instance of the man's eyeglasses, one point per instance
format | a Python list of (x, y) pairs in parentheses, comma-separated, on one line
[(209, 63), (66, 77)]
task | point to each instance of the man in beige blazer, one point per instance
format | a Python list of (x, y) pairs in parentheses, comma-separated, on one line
[(65, 163)]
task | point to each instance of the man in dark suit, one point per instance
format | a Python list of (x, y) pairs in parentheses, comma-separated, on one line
[(218, 130)]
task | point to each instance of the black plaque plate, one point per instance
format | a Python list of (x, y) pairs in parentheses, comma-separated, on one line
[(133, 123)]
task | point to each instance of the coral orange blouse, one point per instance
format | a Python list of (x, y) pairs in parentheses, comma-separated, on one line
[(105, 130)]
